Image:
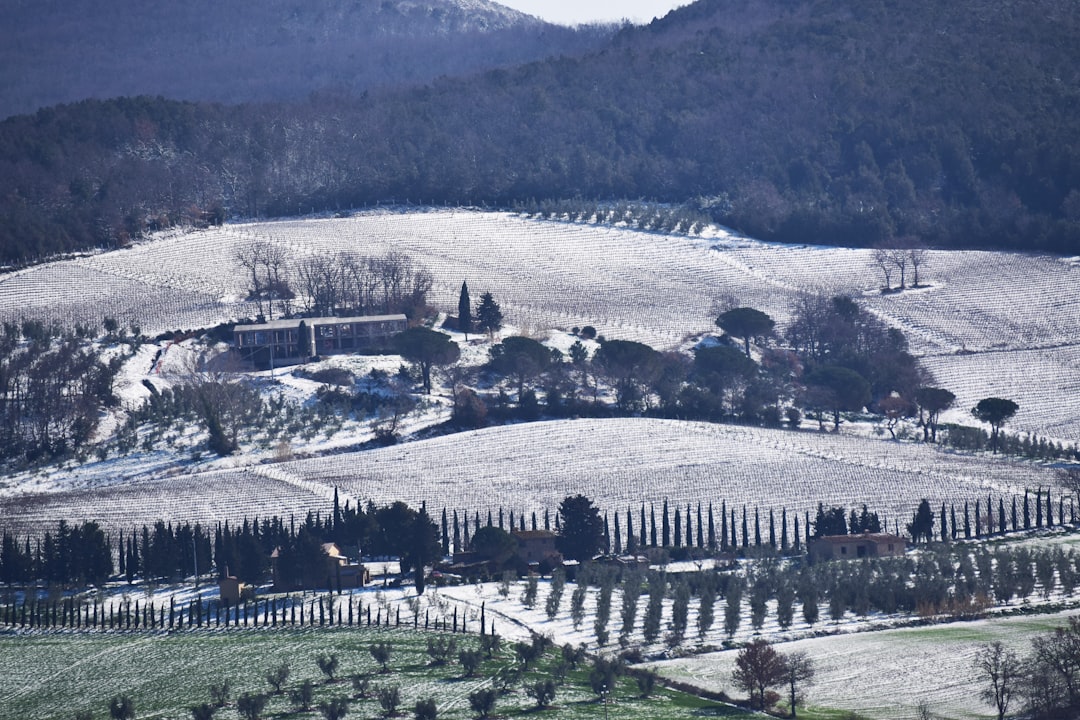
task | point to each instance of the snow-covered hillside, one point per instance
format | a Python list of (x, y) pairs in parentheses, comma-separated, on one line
[(987, 323), (620, 463)]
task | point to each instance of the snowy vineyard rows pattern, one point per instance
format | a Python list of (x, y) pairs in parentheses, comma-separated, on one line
[(655, 288), (528, 468)]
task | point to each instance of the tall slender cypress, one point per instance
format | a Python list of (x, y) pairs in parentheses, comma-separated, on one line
[(465, 318)]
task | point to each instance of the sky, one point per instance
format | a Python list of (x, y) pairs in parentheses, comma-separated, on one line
[(574, 12)]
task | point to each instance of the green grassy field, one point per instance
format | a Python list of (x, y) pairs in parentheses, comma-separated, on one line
[(59, 675)]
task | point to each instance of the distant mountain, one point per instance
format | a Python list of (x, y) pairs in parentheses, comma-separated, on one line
[(809, 121), (58, 51)]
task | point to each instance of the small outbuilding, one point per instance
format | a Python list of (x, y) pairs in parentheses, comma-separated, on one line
[(232, 591), (852, 547)]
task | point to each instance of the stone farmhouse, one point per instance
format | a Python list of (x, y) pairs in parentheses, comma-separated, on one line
[(288, 342), (851, 547)]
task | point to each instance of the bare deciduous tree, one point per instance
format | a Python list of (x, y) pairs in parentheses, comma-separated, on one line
[(1001, 669)]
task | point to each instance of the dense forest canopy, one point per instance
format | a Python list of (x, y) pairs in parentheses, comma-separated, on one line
[(56, 51), (827, 122)]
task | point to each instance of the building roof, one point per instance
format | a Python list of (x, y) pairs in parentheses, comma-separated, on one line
[(874, 537), (295, 322), (533, 534)]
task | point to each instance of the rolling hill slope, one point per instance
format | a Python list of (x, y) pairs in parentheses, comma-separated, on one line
[(619, 463), (985, 324)]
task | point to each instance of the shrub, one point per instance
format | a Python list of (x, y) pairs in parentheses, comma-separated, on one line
[(426, 710), (278, 676), (482, 702), (334, 708), (389, 698), (470, 661), (328, 665)]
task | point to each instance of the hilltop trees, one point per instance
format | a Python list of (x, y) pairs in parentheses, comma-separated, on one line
[(746, 323), (932, 401), (521, 358), (631, 367), (995, 411), (838, 389), (427, 348)]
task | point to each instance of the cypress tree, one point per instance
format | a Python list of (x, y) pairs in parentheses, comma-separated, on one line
[(745, 531), (723, 526), (665, 526), (457, 533), (629, 529), (952, 518), (1014, 517), (445, 533), (798, 539), (1038, 508), (1001, 515), (1027, 511), (618, 534), (712, 530), (783, 530), (772, 530), (967, 522), (644, 541), (757, 528), (944, 525), (689, 529), (978, 520), (678, 527), (652, 524), (1049, 510), (465, 319)]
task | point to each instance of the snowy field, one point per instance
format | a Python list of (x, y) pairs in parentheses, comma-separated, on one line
[(619, 463), (987, 323), (884, 674)]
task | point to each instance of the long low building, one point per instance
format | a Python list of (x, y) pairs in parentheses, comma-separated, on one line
[(284, 342)]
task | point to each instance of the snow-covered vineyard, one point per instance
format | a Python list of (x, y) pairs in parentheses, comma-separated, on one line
[(619, 463), (984, 321)]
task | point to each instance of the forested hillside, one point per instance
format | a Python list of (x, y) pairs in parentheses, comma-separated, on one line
[(828, 122), (233, 51)]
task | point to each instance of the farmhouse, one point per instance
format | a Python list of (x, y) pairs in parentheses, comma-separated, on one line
[(285, 342), (536, 546), (232, 591), (334, 571), (847, 547)]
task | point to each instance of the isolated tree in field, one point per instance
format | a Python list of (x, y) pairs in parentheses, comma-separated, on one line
[(302, 695), (543, 691), (426, 709), (328, 665), (1002, 670), (482, 702), (932, 401), (465, 318), (121, 707), (277, 677), (917, 258), (839, 390), (334, 708), (581, 530), (758, 667), (489, 317), (470, 661), (389, 697), (746, 323), (380, 652), (995, 411), (250, 705), (427, 348), (203, 711), (798, 671)]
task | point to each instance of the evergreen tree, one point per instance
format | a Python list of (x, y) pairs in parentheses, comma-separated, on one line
[(465, 318), (489, 317)]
